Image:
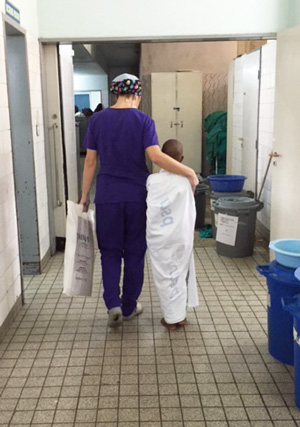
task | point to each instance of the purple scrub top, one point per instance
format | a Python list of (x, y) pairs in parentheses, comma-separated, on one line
[(120, 136)]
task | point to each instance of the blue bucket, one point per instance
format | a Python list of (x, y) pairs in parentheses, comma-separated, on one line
[(292, 305), (226, 183), (281, 283), (287, 252)]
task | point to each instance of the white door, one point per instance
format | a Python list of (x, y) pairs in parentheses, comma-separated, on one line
[(251, 69), (54, 146), (163, 99), (237, 118), (189, 117), (67, 100), (285, 199)]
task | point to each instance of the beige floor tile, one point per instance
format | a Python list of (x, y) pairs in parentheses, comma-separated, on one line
[(61, 366)]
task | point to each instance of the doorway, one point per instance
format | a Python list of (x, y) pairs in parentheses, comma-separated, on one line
[(22, 149)]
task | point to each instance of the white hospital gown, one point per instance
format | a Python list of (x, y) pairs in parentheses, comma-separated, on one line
[(171, 215)]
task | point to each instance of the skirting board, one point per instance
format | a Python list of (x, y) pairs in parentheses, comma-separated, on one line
[(263, 231), (45, 259), (10, 318), (35, 268)]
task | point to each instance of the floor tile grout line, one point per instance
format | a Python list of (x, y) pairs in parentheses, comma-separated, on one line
[(195, 376), (255, 334), (279, 392), (151, 290), (32, 367)]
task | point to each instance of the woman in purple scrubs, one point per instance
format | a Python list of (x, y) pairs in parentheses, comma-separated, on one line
[(120, 136)]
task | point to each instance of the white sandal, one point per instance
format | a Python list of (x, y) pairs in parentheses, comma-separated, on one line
[(115, 317), (138, 310)]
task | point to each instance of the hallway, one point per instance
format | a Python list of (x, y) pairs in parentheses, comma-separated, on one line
[(61, 366)]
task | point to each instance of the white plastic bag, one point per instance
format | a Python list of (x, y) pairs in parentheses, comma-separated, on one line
[(79, 251)]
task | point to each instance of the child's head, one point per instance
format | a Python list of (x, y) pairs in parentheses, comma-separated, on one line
[(174, 149)]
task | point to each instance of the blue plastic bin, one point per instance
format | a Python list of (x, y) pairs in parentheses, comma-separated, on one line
[(287, 252), (281, 283), (226, 183), (292, 305)]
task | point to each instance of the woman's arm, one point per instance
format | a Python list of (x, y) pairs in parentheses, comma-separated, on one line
[(167, 163), (89, 168)]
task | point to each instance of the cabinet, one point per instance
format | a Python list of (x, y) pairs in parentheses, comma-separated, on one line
[(176, 108)]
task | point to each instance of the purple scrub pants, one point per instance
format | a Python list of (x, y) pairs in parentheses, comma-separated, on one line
[(121, 233)]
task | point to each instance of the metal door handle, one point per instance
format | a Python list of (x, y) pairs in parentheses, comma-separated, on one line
[(171, 124), (181, 123), (176, 124)]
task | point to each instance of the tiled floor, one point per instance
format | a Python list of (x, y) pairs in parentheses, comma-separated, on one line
[(60, 365)]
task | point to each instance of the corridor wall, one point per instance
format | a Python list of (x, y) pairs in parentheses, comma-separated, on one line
[(10, 271), (10, 277), (148, 19)]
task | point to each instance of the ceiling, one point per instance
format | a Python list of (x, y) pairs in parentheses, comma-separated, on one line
[(108, 54)]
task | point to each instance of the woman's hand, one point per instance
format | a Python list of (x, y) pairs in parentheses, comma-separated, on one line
[(194, 181), (85, 201), (90, 164)]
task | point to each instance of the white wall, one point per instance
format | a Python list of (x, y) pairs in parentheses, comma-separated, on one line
[(10, 278), (10, 275), (294, 17), (157, 19), (28, 14)]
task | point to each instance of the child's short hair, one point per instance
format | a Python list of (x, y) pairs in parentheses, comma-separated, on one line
[(173, 148)]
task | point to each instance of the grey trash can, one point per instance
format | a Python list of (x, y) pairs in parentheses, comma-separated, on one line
[(213, 195), (200, 201), (245, 210)]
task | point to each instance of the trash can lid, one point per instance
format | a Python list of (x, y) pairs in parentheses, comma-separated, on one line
[(201, 188), (239, 203), (279, 272), (217, 195)]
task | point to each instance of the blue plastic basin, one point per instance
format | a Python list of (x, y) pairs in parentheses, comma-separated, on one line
[(226, 183), (281, 283), (287, 252), (292, 305)]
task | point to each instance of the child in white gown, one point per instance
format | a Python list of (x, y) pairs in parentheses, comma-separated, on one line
[(171, 215)]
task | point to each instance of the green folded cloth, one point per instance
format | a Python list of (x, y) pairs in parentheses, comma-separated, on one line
[(206, 232)]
